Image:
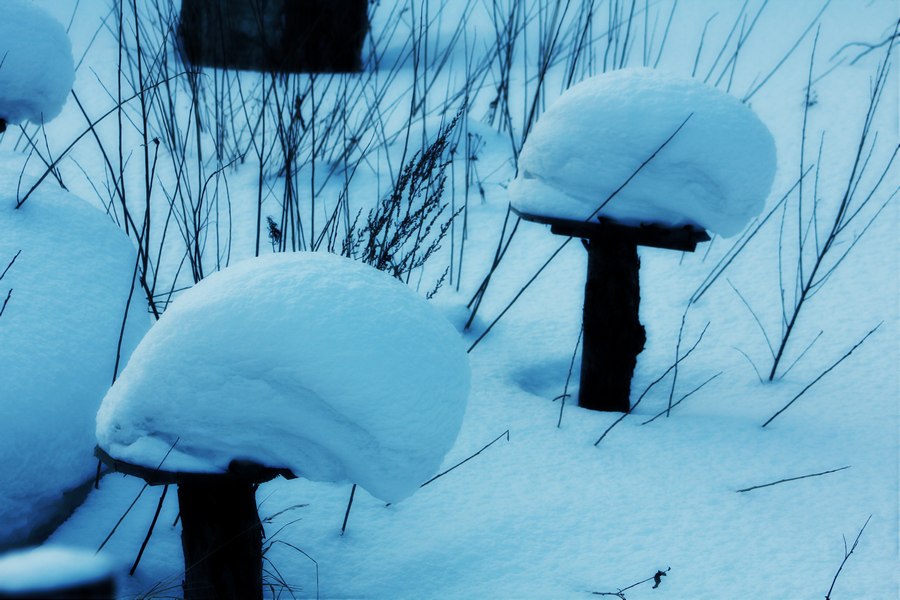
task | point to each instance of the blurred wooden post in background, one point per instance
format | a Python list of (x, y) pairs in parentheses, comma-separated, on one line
[(293, 36)]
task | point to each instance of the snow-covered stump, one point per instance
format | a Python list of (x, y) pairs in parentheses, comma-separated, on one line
[(304, 363), (638, 158)]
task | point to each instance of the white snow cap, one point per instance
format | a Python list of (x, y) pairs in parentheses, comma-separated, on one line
[(305, 361), (716, 173), (50, 569), (36, 66)]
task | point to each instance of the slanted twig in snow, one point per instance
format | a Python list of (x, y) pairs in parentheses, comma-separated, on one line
[(565, 393), (2, 275), (140, 553), (682, 399), (652, 383), (847, 554), (824, 373), (756, 487), (347, 513), (656, 579), (787, 55), (136, 498), (462, 462)]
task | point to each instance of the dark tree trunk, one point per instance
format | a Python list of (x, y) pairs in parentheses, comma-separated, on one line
[(221, 537), (613, 334)]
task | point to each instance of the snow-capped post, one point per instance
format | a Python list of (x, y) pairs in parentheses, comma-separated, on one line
[(309, 36), (638, 158), (303, 364)]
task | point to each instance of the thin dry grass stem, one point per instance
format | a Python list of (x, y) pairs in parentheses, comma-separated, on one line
[(788, 479), (816, 261), (564, 396), (651, 385), (824, 373), (847, 553)]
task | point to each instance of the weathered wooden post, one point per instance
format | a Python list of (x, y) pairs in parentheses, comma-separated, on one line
[(221, 534), (613, 334), (293, 36)]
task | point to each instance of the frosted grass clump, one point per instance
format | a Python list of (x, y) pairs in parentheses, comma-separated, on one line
[(36, 66), (305, 361), (716, 173), (59, 335)]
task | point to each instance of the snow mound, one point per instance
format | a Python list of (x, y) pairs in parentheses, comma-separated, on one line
[(36, 67), (50, 569), (306, 361), (716, 173), (67, 292)]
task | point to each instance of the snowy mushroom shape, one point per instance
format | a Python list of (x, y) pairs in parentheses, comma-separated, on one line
[(715, 173), (305, 363), (36, 66)]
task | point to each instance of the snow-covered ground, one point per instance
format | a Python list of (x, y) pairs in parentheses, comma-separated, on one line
[(543, 511)]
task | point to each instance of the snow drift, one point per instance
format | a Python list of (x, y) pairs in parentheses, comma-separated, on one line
[(59, 332)]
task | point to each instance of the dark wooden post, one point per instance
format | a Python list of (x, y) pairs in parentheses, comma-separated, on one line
[(613, 334), (221, 536)]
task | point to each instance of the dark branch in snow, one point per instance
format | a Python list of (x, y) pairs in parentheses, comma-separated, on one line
[(653, 383), (847, 554), (824, 373), (3, 274), (756, 487), (656, 579)]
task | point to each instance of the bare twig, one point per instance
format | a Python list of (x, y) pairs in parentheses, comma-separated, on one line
[(565, 393), (347, 513), (656, 578), (756, 487), (847, 554), (824, 373), (653, 383)]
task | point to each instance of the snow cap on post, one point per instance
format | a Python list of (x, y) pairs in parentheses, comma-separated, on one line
[(308, 362), (36, 66), (716, 173)]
